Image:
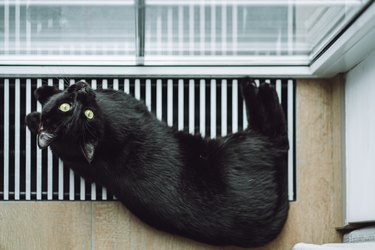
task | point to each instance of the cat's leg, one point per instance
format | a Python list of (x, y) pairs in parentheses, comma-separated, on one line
[(264, 111), (254, 106), (274, 120), (43, 93)]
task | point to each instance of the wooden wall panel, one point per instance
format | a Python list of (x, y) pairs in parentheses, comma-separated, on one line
[(108, 225)]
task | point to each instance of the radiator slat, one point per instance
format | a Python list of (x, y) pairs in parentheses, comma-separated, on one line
[(127, 86), (60, 163), (6, 139), (83, 184), (115, 84), (148, 94), (278, 89), (170, 102), (38, 155), (17, 149), (181, 104), (224, 115), (71, 172), (202, 104), (234, 106), (159, 99), (137, 89), (191, 106), (213, 109), (94, 86), (50, 165), (290, 117), (28, 144)]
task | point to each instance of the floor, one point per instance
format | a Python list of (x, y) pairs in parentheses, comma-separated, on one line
[(108, 225)]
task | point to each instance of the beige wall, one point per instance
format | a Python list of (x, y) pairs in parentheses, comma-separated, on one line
[(108, 225)]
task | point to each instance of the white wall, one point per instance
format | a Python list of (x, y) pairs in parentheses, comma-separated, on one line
[(360, 142)]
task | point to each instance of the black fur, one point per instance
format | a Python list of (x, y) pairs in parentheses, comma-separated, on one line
[(228, 191)]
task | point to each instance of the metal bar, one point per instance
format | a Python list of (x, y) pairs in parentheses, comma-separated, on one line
[(17, 131), (115, 84), (127, 86), (93, 185), (244, 115), (224, 123), (71, 172), (61, 164), (159, 99), (137, 89), (180, 104), (202, 104), (213, 108), (6, 139), (234, 106), (49, 165), (148, 94), (140, 11), (191, 106), (83, 185), (278, 89), (38, 155), (170, 102), (28, 144), (290, 117)]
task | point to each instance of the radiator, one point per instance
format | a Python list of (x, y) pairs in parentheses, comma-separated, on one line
[(211, 107)]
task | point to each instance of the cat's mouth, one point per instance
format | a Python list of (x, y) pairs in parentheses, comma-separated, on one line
[(45, 138)]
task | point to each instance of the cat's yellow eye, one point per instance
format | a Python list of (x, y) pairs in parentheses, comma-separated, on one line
[(65, 107), (89, 114)]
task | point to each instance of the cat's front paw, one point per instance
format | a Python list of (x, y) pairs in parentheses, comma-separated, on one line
[(248, 86), (43, 93), (32, 121), (268, 94)]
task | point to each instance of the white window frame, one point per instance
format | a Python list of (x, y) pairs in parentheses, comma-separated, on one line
[(348, 49)]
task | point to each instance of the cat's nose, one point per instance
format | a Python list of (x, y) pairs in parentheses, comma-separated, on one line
[(82, 84)]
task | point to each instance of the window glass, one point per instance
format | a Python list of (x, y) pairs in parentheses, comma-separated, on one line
[(176, 32), (240, 31), (69, 29)]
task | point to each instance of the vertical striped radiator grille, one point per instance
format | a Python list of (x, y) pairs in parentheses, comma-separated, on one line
[(211, 107)]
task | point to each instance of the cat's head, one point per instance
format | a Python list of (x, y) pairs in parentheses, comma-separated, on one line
[(72, 115)]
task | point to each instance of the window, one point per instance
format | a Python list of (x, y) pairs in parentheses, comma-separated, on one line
[(206, 32)]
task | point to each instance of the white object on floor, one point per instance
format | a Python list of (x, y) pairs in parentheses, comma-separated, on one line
[(336, 246)]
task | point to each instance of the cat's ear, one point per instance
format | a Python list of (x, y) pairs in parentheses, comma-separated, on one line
[(88, 150), (43, 93)]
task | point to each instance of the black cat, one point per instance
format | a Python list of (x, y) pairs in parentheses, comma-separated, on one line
[(228, 191)]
